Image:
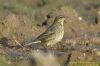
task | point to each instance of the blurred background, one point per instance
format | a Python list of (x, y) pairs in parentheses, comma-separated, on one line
[(21, 21), (86, 9)]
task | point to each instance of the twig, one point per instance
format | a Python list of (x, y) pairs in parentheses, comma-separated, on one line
[(69, 57), (18, 43)]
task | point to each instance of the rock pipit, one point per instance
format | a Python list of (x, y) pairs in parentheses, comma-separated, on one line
[(53, 34)]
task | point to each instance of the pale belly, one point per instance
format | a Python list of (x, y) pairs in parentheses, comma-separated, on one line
[(55, 40)]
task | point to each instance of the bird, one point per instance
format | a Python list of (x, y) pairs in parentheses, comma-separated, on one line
[(53, 34)]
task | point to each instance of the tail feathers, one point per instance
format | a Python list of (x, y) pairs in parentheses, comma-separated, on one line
[(32, 43)]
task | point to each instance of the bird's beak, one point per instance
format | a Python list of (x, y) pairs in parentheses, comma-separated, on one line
[(65, 19)]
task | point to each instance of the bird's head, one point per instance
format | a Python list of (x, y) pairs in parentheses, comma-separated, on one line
[(60, 19)]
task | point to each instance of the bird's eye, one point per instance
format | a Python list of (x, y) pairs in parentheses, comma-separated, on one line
[(61, 17)]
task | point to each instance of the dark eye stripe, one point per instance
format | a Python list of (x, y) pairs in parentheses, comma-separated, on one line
[(61, 16)]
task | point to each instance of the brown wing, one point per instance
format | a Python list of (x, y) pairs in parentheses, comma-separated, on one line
[(45, 35), (42, 37)]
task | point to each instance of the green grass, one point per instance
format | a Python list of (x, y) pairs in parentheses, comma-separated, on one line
[(3, 61), (85, 63)]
